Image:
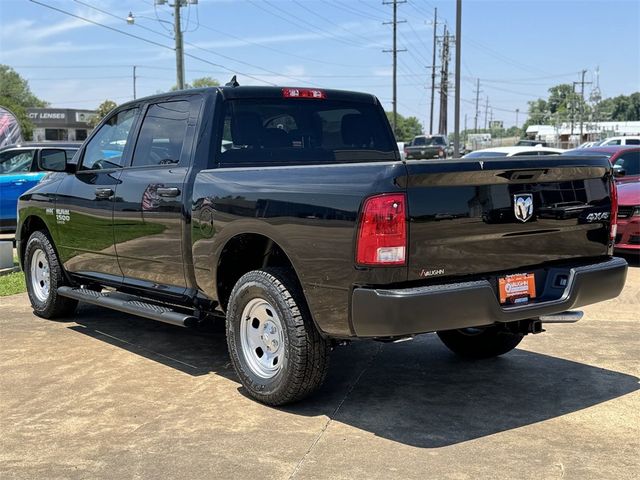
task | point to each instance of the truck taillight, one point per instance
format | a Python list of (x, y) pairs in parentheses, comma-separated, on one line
[(303, 93), (614, 211), (382, 235)]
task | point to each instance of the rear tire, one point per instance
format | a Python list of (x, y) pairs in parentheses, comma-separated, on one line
[(43, 275), (274, 345), (476, 343)]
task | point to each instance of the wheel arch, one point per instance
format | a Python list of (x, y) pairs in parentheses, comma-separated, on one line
[(32, 223), (244, 252)]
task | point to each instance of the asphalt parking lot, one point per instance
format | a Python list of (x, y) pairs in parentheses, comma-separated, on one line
[(107, 395)]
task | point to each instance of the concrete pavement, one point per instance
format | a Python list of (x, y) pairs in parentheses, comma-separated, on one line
[(106, 395)]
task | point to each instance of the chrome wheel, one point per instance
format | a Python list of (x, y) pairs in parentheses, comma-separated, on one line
[(261, 338), (40, 275)]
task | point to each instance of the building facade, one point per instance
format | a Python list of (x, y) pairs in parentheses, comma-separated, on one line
[(60, 124)]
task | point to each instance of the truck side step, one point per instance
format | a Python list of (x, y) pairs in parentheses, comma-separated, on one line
[(129, 304)]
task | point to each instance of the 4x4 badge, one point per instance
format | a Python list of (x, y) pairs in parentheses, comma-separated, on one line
[(523, 206)]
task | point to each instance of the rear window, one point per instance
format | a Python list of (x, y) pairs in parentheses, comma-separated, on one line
[(282, 131)]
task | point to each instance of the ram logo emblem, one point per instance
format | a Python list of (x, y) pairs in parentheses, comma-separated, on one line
[(523, 206)]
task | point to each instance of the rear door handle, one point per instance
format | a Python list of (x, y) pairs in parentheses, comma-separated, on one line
[(104, 193), (168, 191), (19, 182)]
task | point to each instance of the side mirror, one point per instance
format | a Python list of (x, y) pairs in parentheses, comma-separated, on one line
[(618, 171), (53, 160)]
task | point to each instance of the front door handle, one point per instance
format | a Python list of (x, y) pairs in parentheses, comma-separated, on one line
[(168, 191), (104, 193)]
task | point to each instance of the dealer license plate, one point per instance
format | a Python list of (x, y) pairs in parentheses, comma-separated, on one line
[(518, 288)]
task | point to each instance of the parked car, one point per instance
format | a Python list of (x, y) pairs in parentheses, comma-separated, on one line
[(625, 160), (587, 145), (18, 173), (309, 231), (628, 234), (611, 141), (531, 143), (514, 152), (426, 147)]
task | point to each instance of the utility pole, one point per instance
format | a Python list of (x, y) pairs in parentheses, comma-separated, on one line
[(486, 111), (456, 114), (444, 81), (573, 104), (394, 51), (134, 82), (582, 83), (433, 67), (582, 103), (475, 123), (517, 112), (179, 47)]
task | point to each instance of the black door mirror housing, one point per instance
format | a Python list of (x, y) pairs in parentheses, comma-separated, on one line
[(54, 160), (618, 171)]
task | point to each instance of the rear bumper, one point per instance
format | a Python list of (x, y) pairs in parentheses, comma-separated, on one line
[(398, 312)]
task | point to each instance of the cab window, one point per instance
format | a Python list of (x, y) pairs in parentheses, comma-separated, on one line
[(162, 134), (105, 149), (629, 162)]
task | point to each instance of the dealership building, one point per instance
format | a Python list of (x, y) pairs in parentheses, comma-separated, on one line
[(64, 124)]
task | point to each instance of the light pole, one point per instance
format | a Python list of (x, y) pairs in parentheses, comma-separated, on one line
[(177, 33)]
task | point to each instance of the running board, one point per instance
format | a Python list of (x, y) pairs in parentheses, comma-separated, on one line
[(570, 316), (129, 304)]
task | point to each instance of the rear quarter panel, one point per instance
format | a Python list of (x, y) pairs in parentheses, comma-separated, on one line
[(309, 211)]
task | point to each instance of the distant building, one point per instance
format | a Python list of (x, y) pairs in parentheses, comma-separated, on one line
[(57, 124), (562, 135)]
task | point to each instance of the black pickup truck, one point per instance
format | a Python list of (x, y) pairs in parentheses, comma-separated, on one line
[(288, 212)]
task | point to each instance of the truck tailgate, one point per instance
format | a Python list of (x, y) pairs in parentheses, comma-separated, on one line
[(469, 217)]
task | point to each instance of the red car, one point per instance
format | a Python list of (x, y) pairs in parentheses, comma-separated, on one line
[(628, 236), (626, 162)]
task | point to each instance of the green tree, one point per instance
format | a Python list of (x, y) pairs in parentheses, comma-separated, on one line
[(619, 109), (16, 95), (103, 109), (201, 82), (406, 128)]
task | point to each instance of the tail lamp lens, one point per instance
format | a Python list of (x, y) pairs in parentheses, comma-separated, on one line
[(614, 211), (382, 235)]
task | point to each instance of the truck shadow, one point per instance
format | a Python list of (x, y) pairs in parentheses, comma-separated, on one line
[(415, 393)]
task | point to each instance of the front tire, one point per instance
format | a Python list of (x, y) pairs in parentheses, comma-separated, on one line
[(476, 343), (274, 346), (43, 275)]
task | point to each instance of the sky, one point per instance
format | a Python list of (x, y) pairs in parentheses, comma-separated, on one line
[(517, 48)]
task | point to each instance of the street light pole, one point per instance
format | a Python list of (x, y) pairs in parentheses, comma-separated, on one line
[(456, 128), (179, 45)]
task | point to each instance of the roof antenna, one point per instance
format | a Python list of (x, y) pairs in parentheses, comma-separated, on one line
[(232, 83)]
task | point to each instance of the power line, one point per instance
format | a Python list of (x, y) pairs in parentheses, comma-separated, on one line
[(181, 68), (353, 11), (152, 42), (330, 22)]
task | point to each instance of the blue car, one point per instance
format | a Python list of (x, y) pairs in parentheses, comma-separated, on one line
[(19, 172)]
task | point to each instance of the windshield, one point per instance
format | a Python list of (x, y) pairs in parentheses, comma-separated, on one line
[(484, 154), (16, 161), (304, 131)]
